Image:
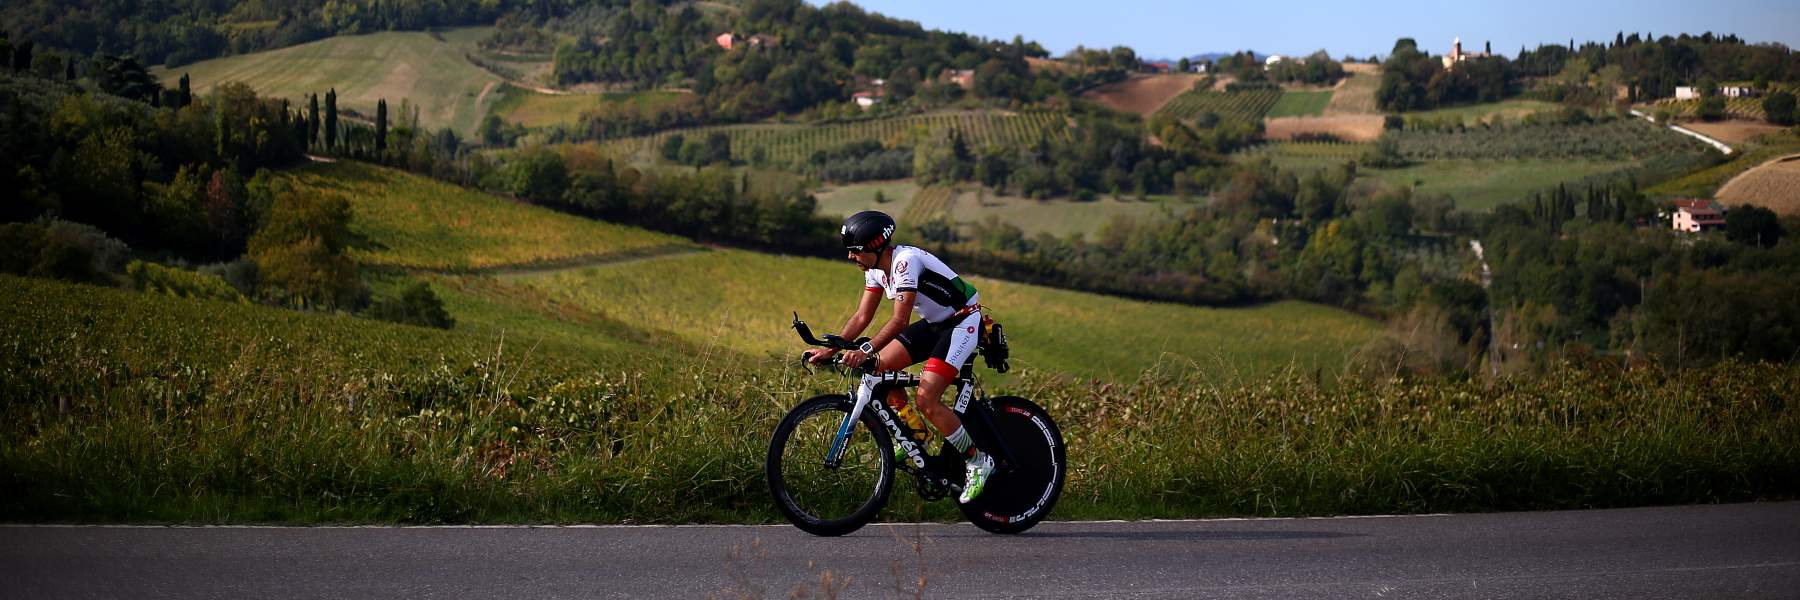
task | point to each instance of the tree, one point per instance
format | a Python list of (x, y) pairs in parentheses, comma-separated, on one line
[(1779, 107), (21, 57), (380, 128), (717, 148), (415, 306), (1711, 108), (300, 252), (671, 147), (1753, 225), (539, 175), (186, 92), (331, 120), (312, 119)]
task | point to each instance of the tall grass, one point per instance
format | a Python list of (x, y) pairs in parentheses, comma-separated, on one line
[(120, 406)]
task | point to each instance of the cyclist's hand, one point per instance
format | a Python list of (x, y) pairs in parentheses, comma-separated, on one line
[(819, 356), (855, 358)]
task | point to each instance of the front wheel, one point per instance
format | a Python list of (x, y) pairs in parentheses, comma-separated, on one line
[(1019, 495), (823, 500)]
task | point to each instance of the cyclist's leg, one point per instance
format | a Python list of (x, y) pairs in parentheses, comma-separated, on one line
[(908, 349), (954, 345)]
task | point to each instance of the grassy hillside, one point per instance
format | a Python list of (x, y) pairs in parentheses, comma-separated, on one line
[(1475, 184), (534, 109), (414, 222), (972, 203), (744, 301), (782, 144), (427, 69), (1510, 110)]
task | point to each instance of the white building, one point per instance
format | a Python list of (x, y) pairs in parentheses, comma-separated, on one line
[(1457, 55), (1686, 93)]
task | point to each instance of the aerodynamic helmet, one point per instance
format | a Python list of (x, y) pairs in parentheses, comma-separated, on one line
[(868, 231)]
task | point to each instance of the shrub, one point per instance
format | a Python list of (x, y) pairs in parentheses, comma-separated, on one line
[(1712, 108), (1779, 107), (417, 305), (155, 278), (241, 274), (60, 250)]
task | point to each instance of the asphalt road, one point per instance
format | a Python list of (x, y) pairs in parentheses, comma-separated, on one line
[(1727, 551)]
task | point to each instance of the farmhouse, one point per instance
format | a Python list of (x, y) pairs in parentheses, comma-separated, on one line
[(866, 99), (1696, 215), (729, 40), (961, 77), (1730, 91), (1457, 55)]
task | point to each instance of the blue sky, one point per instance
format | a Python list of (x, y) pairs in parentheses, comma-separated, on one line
[(1174, 29)]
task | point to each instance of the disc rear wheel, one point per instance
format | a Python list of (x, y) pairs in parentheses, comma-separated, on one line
[(1020, 494)]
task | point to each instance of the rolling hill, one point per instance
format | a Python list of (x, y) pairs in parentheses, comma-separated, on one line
[(428, 69)]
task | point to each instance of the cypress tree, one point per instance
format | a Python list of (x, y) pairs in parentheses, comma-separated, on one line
[(21, 59), (222, 144), (69, 69), (187, 93), (380, 128), (331, 119), (312, 121)]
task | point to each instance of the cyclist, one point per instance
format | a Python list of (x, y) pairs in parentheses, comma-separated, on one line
[(944, 337)]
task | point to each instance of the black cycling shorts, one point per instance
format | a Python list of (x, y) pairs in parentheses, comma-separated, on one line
[(947, 345)]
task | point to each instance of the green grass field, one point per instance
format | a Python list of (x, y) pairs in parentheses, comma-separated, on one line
[(411, 221), (741, 300), (431, 73), (845, 200), (532, 109), (1300, 104), (1510, 110)]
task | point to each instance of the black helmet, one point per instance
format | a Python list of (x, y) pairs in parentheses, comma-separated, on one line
[(868, 231)]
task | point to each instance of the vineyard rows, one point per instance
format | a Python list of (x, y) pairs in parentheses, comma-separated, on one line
[(1741, 108), (794, 144), (1241, 106), (928, 203), (1345, 150), (1618, 139)]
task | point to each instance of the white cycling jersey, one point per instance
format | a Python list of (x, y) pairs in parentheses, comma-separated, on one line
[(940, 293)]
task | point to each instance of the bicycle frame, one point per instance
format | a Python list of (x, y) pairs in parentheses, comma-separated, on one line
[(863, 395)]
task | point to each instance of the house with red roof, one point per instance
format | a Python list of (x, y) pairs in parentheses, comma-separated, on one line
[(1693, 214)]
